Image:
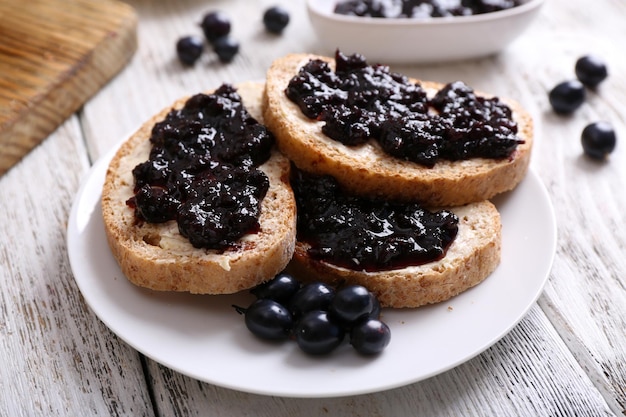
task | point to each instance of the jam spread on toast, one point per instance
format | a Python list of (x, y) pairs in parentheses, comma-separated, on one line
[(421, 8), (359, 102), (367, 234), (202, 170)]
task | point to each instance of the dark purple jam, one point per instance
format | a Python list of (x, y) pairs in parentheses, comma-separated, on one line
[(367, 234), (202, 170), (359, 102), (422, 8)]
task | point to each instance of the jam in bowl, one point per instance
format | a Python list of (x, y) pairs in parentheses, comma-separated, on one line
[(410, 40)]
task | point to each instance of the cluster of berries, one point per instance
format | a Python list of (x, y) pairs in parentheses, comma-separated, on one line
[(317, 316), (598, 139), (216, 26)]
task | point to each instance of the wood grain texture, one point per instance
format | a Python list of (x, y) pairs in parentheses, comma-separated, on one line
[(57, 358), (54, 55)]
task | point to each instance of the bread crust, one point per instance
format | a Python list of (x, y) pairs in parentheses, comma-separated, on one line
[(156, 256), (472, 257), (368, 170)]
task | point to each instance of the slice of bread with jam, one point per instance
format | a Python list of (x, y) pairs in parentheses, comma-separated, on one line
[(364, 164), (471, 258), (405, 254), (154, 254)]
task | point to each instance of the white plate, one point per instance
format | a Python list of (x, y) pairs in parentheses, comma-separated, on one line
[(410, 41), (203, 337)]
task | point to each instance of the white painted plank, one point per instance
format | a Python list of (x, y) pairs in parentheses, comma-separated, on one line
[(57, 357)]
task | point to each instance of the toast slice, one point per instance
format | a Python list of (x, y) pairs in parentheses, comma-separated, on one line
[(473, 256), (157, 256), (367, 170)]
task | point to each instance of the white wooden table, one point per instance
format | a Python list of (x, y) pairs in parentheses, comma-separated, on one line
[(567, 357)]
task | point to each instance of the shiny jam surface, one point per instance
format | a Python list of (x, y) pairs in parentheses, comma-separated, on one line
[(359, 102), (203, 170), (421, 8), (366, 234)]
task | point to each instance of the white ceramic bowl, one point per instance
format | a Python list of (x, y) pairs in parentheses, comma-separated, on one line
[(403, 40)]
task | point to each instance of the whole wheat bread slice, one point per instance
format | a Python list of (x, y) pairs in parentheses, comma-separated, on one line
[(367, 170), (156, 256), (473, 256)]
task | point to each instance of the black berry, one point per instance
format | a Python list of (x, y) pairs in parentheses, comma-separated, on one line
[(189, 49), (226, 48), (598, 139), (317, 334), (567, 96), (591, 70), (370, 336), (350, 304), (275, 19), (280, 288), (313, 296), (268, 319), (215, 25)]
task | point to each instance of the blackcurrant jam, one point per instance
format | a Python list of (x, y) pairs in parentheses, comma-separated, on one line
[(367, 234), (422, 8), (203, 171), (359, 102)]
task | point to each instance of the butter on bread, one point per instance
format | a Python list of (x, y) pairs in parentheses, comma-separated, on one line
[(367, 170), (156, 256)]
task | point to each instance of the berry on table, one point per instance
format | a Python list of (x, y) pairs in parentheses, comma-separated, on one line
[(591, 70), (276, 19), (226, 48), (567, 96), (598, 140), (189, 49), (215, 25)]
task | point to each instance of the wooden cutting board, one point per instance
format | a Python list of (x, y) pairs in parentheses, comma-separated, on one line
[(54, 55)]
